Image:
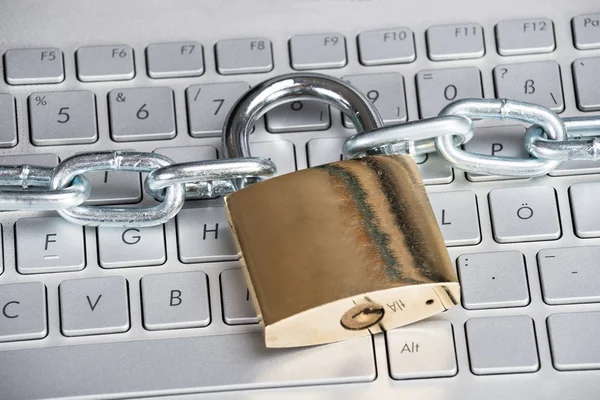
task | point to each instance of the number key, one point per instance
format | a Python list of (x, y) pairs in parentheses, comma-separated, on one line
[(298, 116), (62, 118), (141, 114)]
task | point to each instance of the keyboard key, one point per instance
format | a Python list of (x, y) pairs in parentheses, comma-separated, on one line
[(576, 167), (208, 105), (386, 92), (33, 66), (587, 86), (114, 187), (506, 141), (573, 340), (41, 160), (318, 51), (434, 170), (457, 216), (1, 251), (22, 311), (570, 275), (386, 46), (437, 88), (62, 118), (141, 114), (94, 306), (203, 235), (131, 247), (244, 56), (237, 304), (535, 82), (298, 116), (49, 244), (526, 36), (586, 31), (105, 63), (175, 301), (493, 280), (8, 121), (586, 220), (281, 152), (422, 350), (455, 42), (180, 366), (175, 60), (524, 214), (188, 153), (502, 345)]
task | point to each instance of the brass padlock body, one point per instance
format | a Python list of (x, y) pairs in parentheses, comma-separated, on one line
[(342, 250)]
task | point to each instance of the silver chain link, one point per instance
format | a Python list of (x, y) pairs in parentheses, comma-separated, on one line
[(550, 140)]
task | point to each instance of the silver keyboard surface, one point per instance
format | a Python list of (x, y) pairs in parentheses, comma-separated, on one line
[(140, 312)]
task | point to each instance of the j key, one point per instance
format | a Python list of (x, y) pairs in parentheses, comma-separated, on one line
[(587, 85), (105, 63), (573, 340), (62, 118), (422, 350), (33, 66), (535, 82), (386, 92), (586, 31), (203, 235), (94, 306), (281, 152), (493, 280), (386, 46), (237, 304), (502, 345), (527, 36), (141, 114), (570, 275), (457, 216), (524, 214), (48, 244), (455, 42), (318, 51), (22, 311), (437, 88), (175, 301), (8, 121), (584, 205), (131, 247), (298, 116), (208, 105), (244, 56), (173, 60)]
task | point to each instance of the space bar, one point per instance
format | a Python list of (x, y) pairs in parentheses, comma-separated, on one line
[(174, 366)]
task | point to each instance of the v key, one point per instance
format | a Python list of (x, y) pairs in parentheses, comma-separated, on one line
[(93, 306)]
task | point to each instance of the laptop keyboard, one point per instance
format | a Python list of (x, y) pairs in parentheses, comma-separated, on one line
[(165, 310)]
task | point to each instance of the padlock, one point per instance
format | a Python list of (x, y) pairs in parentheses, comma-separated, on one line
[(338, 251)]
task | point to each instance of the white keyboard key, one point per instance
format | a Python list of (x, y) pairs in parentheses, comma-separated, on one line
[(318, 51), (493, 280), (175, 301), (570, 275), (586, 220), (574, 340), (422, 350), (455, 42), (586, 31), (203, 235), (174, 60), (298, 116), (33, 66), (281, 152), (62, 118), (524, 214), (49, 244), (8, 121), (94, 306), (131, 247), (105, 63), (237, 304), (434, 170), (188, 153), (526, 36), (208, 105), (244, 56), (22, 311), (437, 88), (41, 160), (457, 217), (587, 85), (114, 187), (502, 345), (576, 167), (386, 46)]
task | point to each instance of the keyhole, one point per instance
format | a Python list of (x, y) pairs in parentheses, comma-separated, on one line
[(362, 316)]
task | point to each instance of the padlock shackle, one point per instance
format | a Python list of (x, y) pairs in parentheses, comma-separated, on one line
[(287, 89)]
